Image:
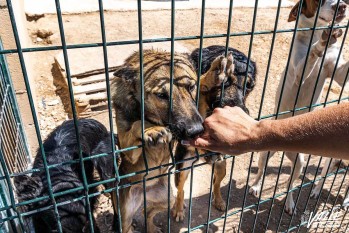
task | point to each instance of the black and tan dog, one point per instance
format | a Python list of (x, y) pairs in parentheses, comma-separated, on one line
[(186, 122), (217, 69), (160, 128), (62, 146)]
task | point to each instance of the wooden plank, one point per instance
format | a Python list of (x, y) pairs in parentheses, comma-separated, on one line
[(92, 79), (90, 113), (90, 88), (84, 98)]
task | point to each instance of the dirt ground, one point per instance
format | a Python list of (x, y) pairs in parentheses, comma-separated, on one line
[(85, 28)]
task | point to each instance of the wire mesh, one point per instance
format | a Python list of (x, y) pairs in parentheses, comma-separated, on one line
[(14, 155)]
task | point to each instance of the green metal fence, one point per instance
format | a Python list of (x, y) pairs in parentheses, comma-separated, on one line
[(12, 216), (14, 154)]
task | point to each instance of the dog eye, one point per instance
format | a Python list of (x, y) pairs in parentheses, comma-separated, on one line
[(192, 88), (163, 96)]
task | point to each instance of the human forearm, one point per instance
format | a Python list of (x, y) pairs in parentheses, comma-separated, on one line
[(322, 132), (325, 131)]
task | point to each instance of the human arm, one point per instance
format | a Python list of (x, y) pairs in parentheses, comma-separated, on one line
[(231, 131)]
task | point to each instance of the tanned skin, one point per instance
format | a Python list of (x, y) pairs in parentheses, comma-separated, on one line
[(231, 131)]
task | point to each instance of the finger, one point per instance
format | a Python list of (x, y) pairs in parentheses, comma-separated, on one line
[(206, 134), (200, 143)]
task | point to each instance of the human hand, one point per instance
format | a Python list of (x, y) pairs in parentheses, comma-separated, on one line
[(228, 130)]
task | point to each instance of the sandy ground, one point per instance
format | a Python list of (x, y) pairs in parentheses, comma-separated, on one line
[(85, 28), (36, 7)]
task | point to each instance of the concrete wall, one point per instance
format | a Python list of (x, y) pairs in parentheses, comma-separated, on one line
[(8, 41)]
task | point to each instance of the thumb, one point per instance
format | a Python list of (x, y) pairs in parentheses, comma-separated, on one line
[(198, 142)]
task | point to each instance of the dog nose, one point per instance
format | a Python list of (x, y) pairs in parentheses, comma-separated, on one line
[(194, 130), (341, 8)]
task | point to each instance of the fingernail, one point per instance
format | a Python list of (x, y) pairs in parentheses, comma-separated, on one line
[(185, 143)]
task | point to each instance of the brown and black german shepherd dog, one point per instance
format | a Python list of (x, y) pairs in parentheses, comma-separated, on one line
[(216, 69), (186, 122)]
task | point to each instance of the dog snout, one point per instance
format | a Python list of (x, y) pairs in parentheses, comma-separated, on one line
[(194, 130), (341, 8), (187, 128)]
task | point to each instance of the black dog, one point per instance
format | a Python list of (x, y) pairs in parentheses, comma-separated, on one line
[(233, 95), (61, 146)]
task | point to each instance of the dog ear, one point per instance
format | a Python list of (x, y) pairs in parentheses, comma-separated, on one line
[(127, 73), (309, 8), (294, 12)]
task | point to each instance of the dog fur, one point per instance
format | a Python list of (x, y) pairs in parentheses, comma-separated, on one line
[(210, 53), (186, 122), (104, 165), (61, 146), (294, 75), (217, 69)]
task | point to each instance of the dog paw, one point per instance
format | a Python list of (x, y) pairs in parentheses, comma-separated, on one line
[(219, 204), (315, 192), (290, 210), (346, 202), (178, 214), (255, 190), (336, 33), (221, 68), (224, 67), (290, 207), (157, 135)]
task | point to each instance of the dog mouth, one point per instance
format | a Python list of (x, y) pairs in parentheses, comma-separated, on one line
[(323, 19), (340, 17)]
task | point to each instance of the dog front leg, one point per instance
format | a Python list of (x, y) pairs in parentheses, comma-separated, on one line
[(262, 160), (157, 195), (315, 54), (182, 153), (130, 138), (346, 199), (298, 167), (131, 200), (329, 167), (341, 73), (316, 51), (178, 207), (219, 174)]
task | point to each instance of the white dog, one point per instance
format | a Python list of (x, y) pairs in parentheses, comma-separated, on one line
[(294, 74)]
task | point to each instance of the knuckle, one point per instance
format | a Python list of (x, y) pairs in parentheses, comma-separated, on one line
[(217, 110), (236, 108), (207, 121)]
